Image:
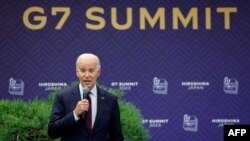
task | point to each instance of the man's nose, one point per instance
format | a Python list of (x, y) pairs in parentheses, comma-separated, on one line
[(87, 74)]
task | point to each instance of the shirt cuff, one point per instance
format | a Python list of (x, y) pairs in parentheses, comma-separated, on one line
[(75, 116)]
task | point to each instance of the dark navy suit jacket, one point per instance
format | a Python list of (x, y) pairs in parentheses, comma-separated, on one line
[(107, 126)]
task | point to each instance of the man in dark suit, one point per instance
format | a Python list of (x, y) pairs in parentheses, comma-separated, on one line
[(76, 117)]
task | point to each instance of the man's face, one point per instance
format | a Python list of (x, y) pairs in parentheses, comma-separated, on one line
[(87, 71)]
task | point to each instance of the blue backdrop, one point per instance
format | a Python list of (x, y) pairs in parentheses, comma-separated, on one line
[(187, 82)]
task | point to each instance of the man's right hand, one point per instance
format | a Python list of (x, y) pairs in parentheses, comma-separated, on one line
[(81, 107)]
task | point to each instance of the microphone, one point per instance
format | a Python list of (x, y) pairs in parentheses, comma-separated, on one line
[(85, 90)]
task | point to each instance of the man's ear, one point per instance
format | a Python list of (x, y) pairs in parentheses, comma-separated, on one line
[(99, 72), (77, 72)]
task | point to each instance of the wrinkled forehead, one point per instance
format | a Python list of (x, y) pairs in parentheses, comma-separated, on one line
[(87, 63)]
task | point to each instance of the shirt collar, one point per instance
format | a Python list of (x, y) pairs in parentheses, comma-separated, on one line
[(93, 90)]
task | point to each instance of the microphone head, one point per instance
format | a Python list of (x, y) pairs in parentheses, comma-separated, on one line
[(85, 90)]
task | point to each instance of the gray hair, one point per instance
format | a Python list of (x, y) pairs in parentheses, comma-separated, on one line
[(89, 55)]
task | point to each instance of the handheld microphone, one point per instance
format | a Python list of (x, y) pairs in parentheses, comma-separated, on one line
[(85, 90)]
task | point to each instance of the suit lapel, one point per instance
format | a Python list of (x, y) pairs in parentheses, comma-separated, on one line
[(100, 106), (75, 95)]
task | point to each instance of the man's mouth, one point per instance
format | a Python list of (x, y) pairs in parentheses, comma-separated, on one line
[(86, 81)]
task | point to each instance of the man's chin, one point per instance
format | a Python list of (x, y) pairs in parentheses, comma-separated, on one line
[(87, 85)]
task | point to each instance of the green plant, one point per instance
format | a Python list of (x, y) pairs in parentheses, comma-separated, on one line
[(131, 119), (28, 120)]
